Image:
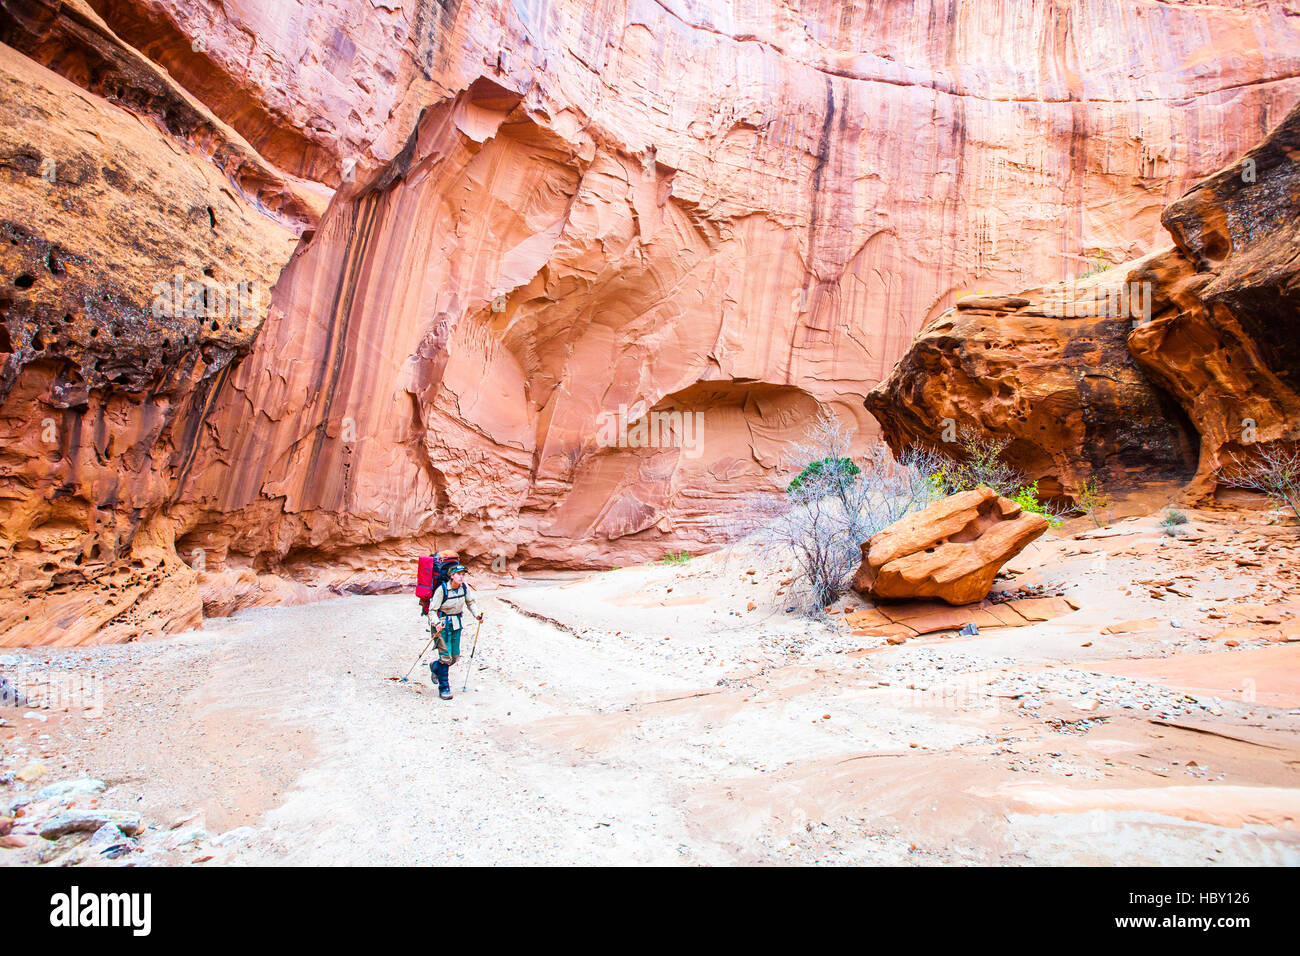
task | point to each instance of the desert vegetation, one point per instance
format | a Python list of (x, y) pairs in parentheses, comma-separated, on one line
[(1172, 521), (977, 460), (835, 504), (1091, 499), (1270, 470)]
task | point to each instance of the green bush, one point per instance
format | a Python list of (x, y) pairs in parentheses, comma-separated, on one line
[(976, 463), (1171, 521), (1091, 498), (824, 471), (1099, 265), (1027, 498), (675, 558)]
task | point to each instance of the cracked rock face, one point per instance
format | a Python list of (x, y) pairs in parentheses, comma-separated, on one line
[(117, 228), (502, 250), (950, 550)]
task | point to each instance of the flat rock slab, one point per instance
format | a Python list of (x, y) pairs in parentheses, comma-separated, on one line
[(1043, 609), (73, 821), (1212, 804), (995, 303), (914, 618), (67, 788), (1264, 675), (1139, 626)]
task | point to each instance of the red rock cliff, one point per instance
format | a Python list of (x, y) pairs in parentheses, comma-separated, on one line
[(545, 212)]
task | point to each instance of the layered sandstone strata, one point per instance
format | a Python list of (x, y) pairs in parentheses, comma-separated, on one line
[(136, 271), (547, 215)]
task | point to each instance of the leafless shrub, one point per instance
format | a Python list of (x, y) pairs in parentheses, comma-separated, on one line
[(835, 505), (900, 486), (1271, 470), (572, 457), (820, 533)]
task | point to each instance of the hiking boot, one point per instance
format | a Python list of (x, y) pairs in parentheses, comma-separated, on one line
[(445, 694)]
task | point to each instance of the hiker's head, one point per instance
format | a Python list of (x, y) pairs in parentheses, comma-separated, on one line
[(458, 575)]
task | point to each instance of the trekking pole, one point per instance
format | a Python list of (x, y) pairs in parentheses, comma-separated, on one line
[(422, 653), (471, 655)]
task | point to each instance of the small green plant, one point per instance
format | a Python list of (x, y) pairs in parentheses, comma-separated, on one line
[(1027, 498), (1171, 521), (676, 558), (1099, 264), (1091, 498), (824, 471), (977, 462)]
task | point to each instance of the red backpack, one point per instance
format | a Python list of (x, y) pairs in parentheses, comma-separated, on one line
[(432, 572)]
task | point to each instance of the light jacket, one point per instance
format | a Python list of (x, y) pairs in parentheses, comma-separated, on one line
[(450, 602)]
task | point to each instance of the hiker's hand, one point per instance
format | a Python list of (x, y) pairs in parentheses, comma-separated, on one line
[(480, 618)]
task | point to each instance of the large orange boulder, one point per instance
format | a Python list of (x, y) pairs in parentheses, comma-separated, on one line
[(1170, 366), (1050, 371), (951, 550), (1225, 336)]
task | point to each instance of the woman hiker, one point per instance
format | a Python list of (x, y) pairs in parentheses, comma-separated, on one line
[(449, 599)]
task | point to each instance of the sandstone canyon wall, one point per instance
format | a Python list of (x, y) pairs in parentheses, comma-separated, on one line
[(483, 228)]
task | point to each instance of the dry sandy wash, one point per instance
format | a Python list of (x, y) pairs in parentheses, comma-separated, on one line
[(648, 716)]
